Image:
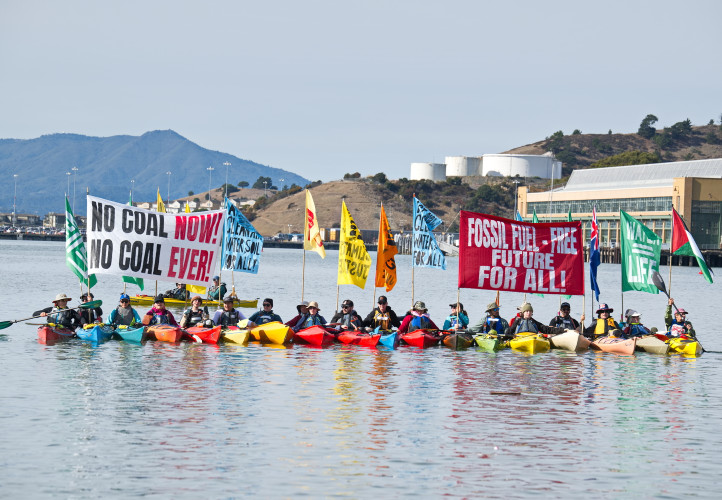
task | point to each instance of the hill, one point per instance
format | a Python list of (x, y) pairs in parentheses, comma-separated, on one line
[(106, 165)]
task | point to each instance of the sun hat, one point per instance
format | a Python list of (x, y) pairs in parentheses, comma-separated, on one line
[(419, 306), (313, 303), (630, 313), (61, 296), (526, 306), (302, 304), (681, 311), (492, 306), (603, 307)]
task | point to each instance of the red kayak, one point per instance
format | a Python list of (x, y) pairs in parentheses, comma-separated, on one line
[(421, 338), (314, 335), (50, 334), (165, 333), (205, 334), (358, 338)]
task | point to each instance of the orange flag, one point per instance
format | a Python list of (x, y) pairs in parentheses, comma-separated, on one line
[(311, 234), (385, 263)]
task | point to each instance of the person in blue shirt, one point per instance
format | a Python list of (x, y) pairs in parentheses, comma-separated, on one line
[(265, 315), (124, 314), (492, 322), (458, 319)]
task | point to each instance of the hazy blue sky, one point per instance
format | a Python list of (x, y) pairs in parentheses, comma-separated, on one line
[(323, 87)]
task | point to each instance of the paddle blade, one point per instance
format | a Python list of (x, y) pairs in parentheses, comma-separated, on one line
[(5, 324), (659, 282), (91, 305)]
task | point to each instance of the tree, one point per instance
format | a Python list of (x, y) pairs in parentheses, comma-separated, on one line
[(379, 178), (259, 184), (646, 129), (681, 130), (576, 131), (190, 193), (243, 184)]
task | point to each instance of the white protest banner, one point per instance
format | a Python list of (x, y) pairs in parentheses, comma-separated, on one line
[(130, 241)]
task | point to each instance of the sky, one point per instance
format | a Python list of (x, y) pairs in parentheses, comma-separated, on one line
[(328, 87)]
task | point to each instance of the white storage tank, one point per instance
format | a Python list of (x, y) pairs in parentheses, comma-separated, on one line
[(428, 171), (509, 165), (462, 166)]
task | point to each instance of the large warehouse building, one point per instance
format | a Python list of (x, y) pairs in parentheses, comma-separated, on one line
[(646, 192)]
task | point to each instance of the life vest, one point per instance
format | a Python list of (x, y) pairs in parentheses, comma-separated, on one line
[(526, 326), (193, 317), (561, 322), (160, 319), (64, 317), (123, 316), (637, 330), (347, 319), (491, 323), (311, 321), (421, 322), (603, 327), (382, 320), (229, 318), (676, 330)]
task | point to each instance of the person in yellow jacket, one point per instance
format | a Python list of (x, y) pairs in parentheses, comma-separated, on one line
[(604, 325)]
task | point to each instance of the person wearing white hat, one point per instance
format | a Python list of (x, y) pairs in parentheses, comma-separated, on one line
[(302, 309), (60, 314), (634, 327), (679, 325)]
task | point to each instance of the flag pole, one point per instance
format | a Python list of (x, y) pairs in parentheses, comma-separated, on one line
[(303, 273), (669, 288), (337, 293)]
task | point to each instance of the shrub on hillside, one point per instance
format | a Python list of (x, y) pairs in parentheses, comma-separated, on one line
[(627, 158)]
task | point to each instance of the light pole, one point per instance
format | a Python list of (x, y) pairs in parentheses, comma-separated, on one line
[(264, 189), (516, 197), (168, 174), (75, 171), (289, 228), (132, 185), (210, 173), (227, 164), (281, 181), (67, 193), (15, 199)]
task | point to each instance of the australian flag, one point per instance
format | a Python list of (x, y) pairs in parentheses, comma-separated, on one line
[(594, 257)]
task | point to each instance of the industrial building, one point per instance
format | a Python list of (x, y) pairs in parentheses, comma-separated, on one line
[(646, 192), (545, 166)]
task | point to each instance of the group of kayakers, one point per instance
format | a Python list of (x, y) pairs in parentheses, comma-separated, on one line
[(382, 317)]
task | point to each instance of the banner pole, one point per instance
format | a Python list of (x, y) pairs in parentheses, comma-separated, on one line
[(584, 308), (669, 288), (303, 273), (458, 297), (412, 285), (337, 292)]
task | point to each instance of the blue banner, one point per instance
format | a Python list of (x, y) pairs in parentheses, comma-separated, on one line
[(242, 244), (425, 251)]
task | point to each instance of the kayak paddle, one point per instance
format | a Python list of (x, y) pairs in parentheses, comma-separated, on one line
[(659, 283), (85, 305)]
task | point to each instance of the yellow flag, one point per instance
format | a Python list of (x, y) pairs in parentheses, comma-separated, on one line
[(161, 206), (385, 262), (354, 262), (311, 234), (200, 290), (188, 208)]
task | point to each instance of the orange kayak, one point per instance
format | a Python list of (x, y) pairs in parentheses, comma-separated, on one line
[(615, 345), (166, 333)]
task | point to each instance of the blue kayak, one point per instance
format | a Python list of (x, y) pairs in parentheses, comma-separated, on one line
[(390, 340), (130, 334), (96, 333)]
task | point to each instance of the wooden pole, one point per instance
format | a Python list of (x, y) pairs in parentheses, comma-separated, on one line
[(303, 274)]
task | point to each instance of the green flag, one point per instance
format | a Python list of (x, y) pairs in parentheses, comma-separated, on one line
[(130, 279), (75, 256), (569, 215), (534, 218), (640, 254)]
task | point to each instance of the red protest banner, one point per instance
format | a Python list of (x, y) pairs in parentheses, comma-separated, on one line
[(508, 255)]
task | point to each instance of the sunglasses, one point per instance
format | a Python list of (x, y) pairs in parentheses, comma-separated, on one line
[(345, 306), (266, 304), (125, 301)]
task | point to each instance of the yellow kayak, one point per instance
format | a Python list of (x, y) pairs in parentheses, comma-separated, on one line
[(685, 347), (148, 300), (236, 336), (532, 343), (272, 333)]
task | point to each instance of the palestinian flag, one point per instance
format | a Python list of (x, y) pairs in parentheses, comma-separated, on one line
[(684, 244)]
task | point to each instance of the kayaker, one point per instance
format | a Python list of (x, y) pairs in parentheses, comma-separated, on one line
[(217, 290), (178, 293), (124, 314), (458, 319), (312, 319), (158, 314), (195, 315), (266, 314), (417, 319), (302, 309), (634, 327), (492, 322), (525, 323), (92, 315), (679, 325), (229, 315), (59, 314), (604, 325), (564, 319), (347, 318), (382, 317)]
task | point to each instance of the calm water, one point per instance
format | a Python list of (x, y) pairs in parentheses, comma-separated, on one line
[(203, 421)]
